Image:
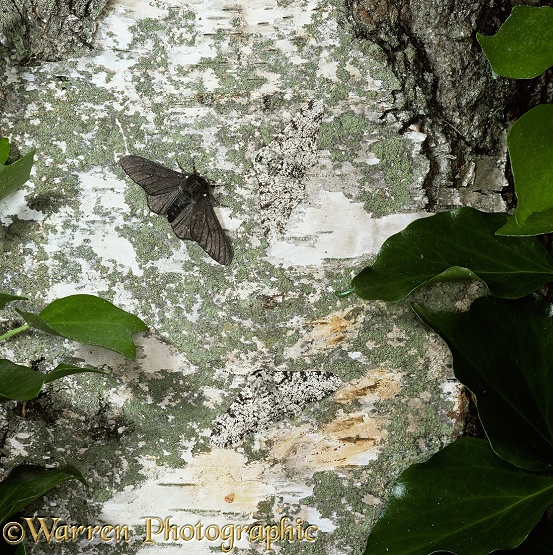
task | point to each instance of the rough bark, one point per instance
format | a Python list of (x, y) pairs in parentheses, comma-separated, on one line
[(48, 29), (447, 86)]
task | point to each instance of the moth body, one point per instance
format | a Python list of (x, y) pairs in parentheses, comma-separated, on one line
[(186, 201)]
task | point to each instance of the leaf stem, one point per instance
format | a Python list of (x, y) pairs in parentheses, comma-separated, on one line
[(14, 331)]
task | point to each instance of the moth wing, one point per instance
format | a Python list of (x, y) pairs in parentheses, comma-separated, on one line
[(183, 222), (199, 223), (240, 419), (161, 184), (161, 203), (252, 409), (154, 178), (296, 389)]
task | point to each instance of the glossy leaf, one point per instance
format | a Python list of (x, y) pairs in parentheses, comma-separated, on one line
[(91, 320), (530, 142), (465, 500), (26, 483), (539, 542), (534, 225), (455, 245), (14, 175), (6, 298), (21, 383), (523, 46), (35, 321), (502, 353)]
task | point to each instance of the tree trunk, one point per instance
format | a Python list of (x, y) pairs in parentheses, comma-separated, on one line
[(448, 88)]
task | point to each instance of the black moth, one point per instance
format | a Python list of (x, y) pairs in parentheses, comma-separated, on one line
[(186, 201)]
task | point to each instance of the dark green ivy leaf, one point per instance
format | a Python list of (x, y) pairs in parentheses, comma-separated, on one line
[(20, 383), (14, 175), (539, 542), (455, 245), (25, 483), (502, 353), (530, 142), (35, 321), (90, 320), (523, 46), (6, 298), (465, 500)]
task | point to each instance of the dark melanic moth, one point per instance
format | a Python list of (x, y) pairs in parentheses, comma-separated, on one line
[(186, 201)]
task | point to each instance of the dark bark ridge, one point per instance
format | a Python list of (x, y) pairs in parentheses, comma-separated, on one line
[(448, 88)]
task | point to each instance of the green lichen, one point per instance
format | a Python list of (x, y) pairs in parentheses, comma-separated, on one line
[(341, 134), (397, 171)]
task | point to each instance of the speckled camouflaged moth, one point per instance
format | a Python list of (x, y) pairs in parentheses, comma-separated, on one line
[(268, 397), (186, 201)]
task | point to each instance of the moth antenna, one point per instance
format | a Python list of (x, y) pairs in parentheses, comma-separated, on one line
[(194, 171)]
